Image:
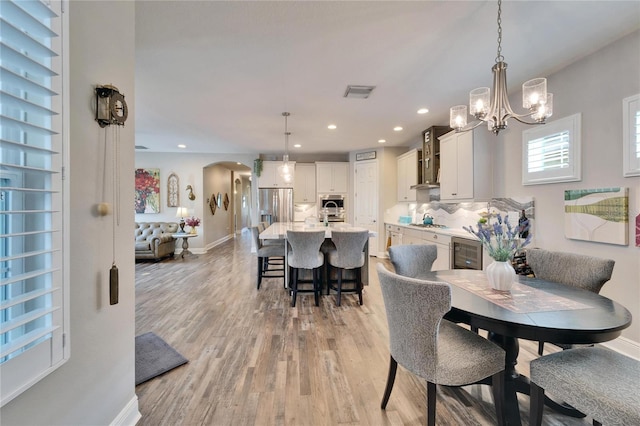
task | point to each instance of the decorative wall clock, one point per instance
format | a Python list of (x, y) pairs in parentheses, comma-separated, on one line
[(173, 191)]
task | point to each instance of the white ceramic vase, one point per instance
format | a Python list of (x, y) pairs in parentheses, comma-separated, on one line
[(501, 275)]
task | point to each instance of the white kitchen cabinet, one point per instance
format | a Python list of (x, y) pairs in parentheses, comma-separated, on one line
[(332, 177), (408, 175), (465, 166), (443, 243), (394, 235), (270, 177), (304, 188), (412, 236)]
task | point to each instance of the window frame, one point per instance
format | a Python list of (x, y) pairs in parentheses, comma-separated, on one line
[(21, 372), (630, 109), (572, 124)]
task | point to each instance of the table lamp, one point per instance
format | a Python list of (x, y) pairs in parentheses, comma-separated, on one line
[(181, 213)]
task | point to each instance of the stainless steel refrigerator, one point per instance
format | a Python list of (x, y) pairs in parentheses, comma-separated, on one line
[(275, 205)]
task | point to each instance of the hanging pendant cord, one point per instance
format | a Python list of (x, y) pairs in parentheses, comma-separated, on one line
[(499, 57)]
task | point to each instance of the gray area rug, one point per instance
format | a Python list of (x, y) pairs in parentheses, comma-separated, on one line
[(154, 357)]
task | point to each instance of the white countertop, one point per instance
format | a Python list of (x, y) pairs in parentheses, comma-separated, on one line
[(278, 230), (452, 232)]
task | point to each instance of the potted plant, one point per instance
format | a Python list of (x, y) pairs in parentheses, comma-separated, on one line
[(193, 222), (502, 241)]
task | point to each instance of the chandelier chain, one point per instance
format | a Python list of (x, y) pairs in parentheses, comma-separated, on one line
[(499, 57)]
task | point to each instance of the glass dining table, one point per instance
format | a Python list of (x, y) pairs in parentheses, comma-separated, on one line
[(536, 310)]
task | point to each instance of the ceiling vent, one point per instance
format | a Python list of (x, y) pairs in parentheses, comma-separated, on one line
[(141, 147), (358, 92)]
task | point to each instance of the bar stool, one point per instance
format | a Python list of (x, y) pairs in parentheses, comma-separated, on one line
[(349, 254), (305, 254), (265, 253)]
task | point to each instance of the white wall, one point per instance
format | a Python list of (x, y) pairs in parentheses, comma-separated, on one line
[(595, 87), (96, 385), (218, 226)]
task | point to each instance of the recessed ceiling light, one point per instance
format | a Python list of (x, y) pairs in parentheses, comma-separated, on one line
[(423, 111), (182, 146), (332, 127), (381, 140), (238, 163), (297, 145), (397, 128)]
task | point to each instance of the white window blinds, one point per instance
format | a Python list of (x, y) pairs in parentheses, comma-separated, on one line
[(31, 288), (551, 152), (631, 135)]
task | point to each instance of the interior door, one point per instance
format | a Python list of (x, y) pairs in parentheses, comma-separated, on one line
[(366, 200)]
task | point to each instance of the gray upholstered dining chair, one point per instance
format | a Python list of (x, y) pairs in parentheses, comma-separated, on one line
[(264, 254), (348, 254), (586, 272), (433, 348), (413, 260), (600, 383), (304, 253)]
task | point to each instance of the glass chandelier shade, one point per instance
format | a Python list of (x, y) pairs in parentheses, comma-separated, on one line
[(286, 169), (494, 109)]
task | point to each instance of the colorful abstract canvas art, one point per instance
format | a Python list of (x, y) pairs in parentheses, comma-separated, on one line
[(599, 215), (147, 191)]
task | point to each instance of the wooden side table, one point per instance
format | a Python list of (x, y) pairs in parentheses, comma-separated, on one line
[(185, 242)]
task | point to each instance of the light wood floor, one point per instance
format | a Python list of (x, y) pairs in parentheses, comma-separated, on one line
[(254, 360)]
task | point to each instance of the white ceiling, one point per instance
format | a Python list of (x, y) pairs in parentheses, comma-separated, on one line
[(216, 76)]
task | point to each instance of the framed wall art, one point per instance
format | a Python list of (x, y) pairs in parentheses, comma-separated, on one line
[(173, 190), (599, 215), (213, 204), (147, 191)]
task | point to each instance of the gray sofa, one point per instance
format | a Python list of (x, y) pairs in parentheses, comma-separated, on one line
[(154, 240)]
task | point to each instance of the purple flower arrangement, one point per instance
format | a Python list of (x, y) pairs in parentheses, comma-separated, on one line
[(507, 239), (192, 221)]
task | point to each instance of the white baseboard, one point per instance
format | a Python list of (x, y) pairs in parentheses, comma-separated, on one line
[(217, 242), (129, 415), (625, 346)]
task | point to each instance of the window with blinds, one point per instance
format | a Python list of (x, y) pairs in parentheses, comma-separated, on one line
[(551, 152), (631, 135), (32, 308)]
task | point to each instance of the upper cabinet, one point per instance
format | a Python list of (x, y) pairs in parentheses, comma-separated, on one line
[(465, 167), (431, 154), (270, 176), (332, 177), (408, 174), (304, 189)]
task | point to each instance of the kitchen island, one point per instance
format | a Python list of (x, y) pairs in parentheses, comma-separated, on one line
[(278, 231)]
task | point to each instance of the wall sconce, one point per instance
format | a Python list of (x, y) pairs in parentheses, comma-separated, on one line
[(111, 107), (191, 195)]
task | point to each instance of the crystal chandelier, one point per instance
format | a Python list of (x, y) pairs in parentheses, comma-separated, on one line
[(286, 169), (495, 110)]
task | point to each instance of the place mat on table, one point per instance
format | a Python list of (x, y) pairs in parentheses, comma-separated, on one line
[(521, 299)]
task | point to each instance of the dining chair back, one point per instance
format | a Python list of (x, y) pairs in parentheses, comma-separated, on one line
[(435, 349), (266, 253), (348, 254), (304, 253), (413, 260), (585, 272)]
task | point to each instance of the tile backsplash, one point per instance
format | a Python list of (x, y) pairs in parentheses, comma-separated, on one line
[(457, 215)]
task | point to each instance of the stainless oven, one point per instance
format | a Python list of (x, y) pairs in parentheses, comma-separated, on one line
[(334, 205), (466, 253)]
